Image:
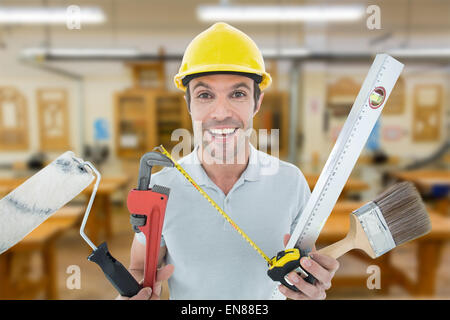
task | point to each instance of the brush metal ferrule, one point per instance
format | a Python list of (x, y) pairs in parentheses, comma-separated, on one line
[(375, 227)]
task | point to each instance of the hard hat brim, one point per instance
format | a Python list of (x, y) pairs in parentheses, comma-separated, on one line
[(266, 78)]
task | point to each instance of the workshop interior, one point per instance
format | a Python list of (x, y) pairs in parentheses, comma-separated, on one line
[(92, 83)]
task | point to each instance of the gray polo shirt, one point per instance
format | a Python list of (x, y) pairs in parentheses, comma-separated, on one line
[(212, 261)]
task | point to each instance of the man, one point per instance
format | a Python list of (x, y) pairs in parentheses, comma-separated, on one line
[(223, 74)]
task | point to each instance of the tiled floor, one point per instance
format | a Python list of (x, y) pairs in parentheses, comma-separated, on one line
[(73, 251)]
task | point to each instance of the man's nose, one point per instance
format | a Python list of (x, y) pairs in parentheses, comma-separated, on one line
[(221, 109)]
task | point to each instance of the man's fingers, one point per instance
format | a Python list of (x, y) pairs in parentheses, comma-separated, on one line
[(164, 273), (323, 275), (292, 294), (325, 261), (144, 294), (312, 291)]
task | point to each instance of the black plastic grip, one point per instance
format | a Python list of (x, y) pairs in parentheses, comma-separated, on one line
[(116, 273), (279, 273)]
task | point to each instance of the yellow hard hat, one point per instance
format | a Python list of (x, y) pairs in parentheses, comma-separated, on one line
[(222, 49)]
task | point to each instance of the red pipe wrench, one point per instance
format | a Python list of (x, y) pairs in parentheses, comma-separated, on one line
[(148, 207)]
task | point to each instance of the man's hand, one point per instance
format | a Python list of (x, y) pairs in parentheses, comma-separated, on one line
[(162, 274), (321, 266)]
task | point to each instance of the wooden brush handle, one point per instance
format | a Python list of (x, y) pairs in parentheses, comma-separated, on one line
[(355, 239), (338, 249)]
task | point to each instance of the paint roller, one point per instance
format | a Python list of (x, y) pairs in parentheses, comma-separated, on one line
[(36, 199)]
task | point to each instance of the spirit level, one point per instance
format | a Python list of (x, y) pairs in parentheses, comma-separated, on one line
[(369, 103)]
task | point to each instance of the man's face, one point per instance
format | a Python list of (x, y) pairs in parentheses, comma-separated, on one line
[(223, 106)]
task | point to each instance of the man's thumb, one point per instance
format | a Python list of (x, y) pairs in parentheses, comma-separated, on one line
[(144, 294), (286, 238)]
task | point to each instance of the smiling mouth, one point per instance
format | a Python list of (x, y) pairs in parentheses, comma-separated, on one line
[(223, 133)]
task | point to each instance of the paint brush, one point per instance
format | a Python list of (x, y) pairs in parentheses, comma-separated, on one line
[(396, 216)]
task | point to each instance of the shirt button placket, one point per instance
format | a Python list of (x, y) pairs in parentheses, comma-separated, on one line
[(226, 208)]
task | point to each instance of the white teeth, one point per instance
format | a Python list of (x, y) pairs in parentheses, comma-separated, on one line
[(223, 131)]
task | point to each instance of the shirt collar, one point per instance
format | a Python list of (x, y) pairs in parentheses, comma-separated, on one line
[(252, 172), (192, 165)]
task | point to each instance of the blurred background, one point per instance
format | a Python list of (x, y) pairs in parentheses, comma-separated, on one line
[(95, 77)]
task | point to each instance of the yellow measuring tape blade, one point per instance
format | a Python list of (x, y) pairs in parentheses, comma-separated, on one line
[(214, 204)]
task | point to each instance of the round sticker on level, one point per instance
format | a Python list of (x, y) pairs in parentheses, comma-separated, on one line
[(377, 97)]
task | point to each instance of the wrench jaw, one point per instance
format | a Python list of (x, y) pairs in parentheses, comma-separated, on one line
[(137, 220), (147, 162), (140, 220)]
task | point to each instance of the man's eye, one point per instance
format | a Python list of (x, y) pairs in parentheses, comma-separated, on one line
[(239, 94), (204, 95)]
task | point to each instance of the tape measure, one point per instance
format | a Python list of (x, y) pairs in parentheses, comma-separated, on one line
[(369, 103), (285, 262), (214, 204)]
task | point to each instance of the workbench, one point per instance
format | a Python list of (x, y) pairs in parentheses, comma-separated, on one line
[(15, 263), (430, 182)]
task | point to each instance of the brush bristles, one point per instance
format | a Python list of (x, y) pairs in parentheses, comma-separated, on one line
[(404, 212)]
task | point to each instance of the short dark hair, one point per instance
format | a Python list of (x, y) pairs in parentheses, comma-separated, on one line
[(256, 95)]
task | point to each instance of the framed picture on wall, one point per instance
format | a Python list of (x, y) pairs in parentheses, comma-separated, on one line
[(13, 120), (427, 116), (53, 119)]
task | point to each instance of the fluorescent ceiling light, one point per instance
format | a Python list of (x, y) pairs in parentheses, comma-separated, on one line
[(82, 52), (421, 52), (55, 15), (314, 13), (292, 52)]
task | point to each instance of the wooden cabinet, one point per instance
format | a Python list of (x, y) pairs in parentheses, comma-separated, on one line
[(149, 75), (273, 114), (172, 114), (135, 123), (146, 119)]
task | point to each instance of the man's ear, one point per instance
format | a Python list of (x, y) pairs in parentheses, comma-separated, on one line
[(258, 105)]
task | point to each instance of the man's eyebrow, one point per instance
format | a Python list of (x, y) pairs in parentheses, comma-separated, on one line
[(201, 84), (240, 84)]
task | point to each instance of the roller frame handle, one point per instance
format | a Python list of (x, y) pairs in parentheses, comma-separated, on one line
[(115, 272)]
